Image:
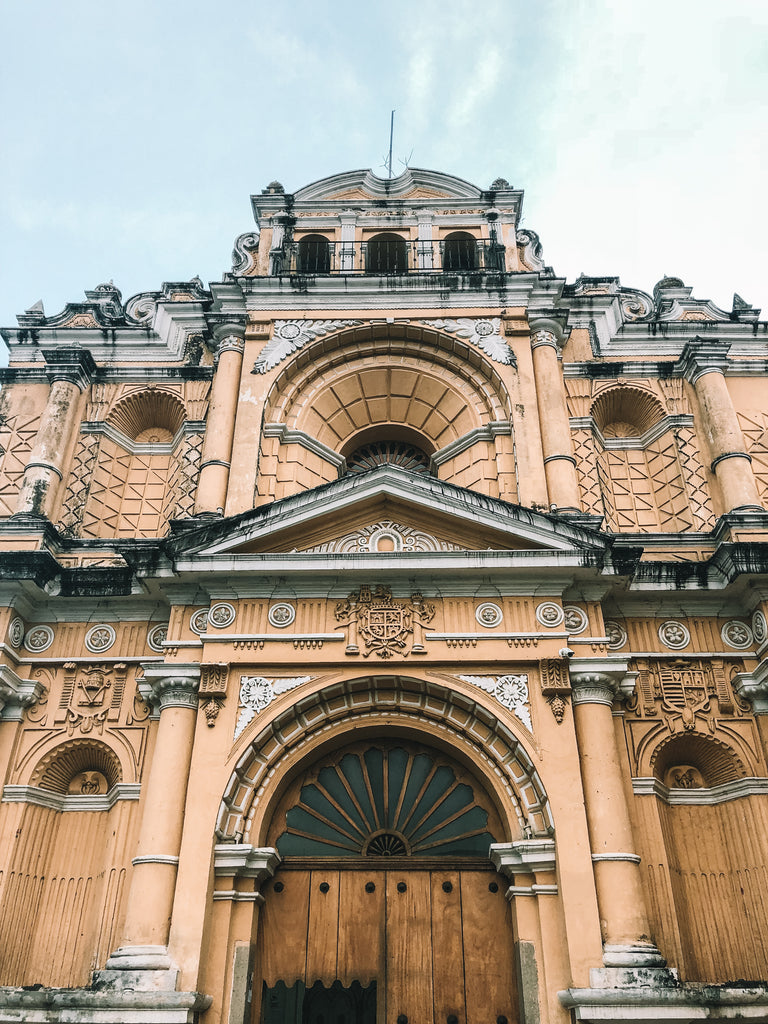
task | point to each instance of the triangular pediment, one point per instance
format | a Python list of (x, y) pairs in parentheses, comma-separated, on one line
[(386, 510)]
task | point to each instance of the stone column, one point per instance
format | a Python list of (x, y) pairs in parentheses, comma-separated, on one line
[(618, 881), (703, 363), (172, 689), (69, 372), (559, 463), (220, 425)]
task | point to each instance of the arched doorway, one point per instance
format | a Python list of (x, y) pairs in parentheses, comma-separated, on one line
[(386, 906)]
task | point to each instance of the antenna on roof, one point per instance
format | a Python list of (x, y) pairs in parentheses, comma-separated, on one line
[(391, 135)]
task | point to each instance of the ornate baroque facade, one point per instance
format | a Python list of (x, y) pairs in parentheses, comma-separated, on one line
[(384, 634)]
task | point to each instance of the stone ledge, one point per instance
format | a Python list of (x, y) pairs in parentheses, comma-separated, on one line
[(86, 1006), (645, 998)]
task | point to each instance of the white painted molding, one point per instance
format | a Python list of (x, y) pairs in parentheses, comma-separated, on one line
[(71, 802), (156, 858), (705, 797), (631, 858), (286, 436), (523, 856), (242, 860)]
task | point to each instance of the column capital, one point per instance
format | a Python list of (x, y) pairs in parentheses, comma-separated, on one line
[(242, 860), (523, 857), (547, 331), (601, 680), (753, 687), (702, 356), (170, 685), (229, 337), (17, 694), (74, 365)]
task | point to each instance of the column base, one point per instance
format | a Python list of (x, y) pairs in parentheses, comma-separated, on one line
[(137, 969), (636, 955)]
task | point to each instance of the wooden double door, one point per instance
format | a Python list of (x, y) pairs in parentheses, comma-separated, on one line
[(369, 946)]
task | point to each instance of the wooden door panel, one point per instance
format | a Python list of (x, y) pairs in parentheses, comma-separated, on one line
[(447, 947), (283, 926), (489, 974), (361, 927), (323, 927), (409, 947)]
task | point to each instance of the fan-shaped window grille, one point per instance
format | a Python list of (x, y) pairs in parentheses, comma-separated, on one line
[(386, 802), (391, 453)]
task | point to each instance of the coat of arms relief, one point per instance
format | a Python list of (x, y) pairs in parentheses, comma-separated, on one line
[(379, 624)]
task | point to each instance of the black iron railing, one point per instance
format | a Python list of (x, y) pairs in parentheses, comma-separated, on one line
[(384, 257)]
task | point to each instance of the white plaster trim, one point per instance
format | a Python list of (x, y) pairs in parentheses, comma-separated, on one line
[(495, 636), (143, 447), (706, 796), (632, 858), (531, 890), (279, 637), (238, 897), (490, 431), (286, 436), (653, 433), (71, 801), (156, 858)]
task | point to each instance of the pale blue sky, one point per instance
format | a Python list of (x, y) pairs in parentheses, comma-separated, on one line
[(133, 133)]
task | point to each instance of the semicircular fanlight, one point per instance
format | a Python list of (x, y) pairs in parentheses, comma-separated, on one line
[(385, 803), (388, 453)]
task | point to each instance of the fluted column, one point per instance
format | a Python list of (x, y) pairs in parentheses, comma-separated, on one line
[(173, 690), (559, 463), (620, 898), (220, 425), (703, 364), (69, 372)]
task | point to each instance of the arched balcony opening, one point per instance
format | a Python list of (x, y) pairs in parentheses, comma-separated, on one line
[(386, 253), (459, 251), (314, 255)]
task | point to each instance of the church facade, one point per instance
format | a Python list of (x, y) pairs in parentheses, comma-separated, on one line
[(383, 634)]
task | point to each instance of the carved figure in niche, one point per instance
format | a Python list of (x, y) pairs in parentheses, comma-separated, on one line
[(88, 783), (385, 626), (684, 776)]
